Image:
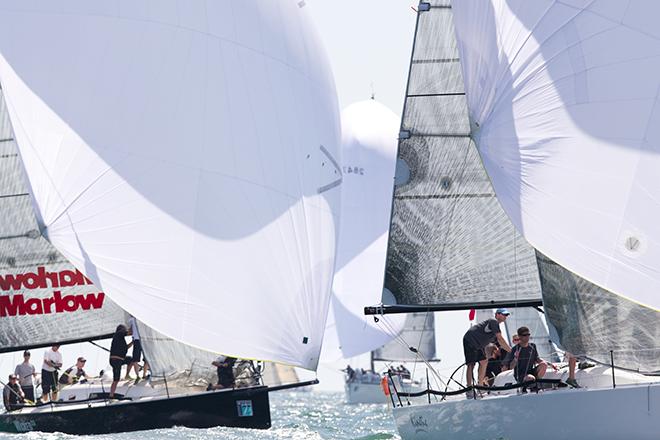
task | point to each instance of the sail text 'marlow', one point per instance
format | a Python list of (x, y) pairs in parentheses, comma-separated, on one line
[(17, 305)]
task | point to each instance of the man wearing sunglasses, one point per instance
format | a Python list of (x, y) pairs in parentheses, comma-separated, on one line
[(524, 359)]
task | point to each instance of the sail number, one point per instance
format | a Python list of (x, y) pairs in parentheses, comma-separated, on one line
[(353, 170)]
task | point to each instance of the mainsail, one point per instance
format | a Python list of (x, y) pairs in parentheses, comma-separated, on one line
[(369, 132), (451, 244), (43, 298), (186, 159)]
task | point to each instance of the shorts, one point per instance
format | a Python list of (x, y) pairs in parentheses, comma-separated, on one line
[(472, 353), (49, 381), (534, 371), (28, 390), (116, 365), (137, 350)]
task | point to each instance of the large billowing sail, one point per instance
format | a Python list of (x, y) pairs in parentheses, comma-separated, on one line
[(418, 333), (185, 157), (369, 133), (43, 298), (450, 241), (563, 98)]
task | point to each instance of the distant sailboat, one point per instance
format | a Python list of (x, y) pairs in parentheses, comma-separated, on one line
[(186, 161), (530, 88)]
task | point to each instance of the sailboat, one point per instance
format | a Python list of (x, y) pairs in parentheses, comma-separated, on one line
[(395, 357), (180, 165), (524, 179)]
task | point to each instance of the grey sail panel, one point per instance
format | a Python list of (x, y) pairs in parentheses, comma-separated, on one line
[(419, 332), (173, 359), (43, 298), (450, 241), (591, 321)]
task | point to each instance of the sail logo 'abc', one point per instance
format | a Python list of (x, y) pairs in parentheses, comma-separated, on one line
[(42, 279)]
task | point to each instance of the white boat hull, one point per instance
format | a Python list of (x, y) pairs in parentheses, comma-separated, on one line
[(629, 411), (358, 392), (370, 392)]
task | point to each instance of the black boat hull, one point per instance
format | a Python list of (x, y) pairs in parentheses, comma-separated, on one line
[(240, 408)]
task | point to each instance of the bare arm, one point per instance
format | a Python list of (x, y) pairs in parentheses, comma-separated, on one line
[(503, 343)]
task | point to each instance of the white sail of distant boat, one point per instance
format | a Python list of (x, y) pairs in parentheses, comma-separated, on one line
[(369, 133), (186, 161), (530, 88)]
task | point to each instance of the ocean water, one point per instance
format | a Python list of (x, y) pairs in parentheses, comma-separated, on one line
[(295, 415)]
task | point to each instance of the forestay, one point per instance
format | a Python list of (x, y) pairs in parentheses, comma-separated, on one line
[(369, 133), (184, 156), (450, 241), (43, 298), (563, 98)]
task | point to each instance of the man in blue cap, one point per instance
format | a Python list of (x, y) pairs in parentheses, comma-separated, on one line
[(475, 341)]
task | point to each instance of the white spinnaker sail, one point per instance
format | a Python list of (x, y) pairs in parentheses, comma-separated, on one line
[(184, 155), (563, 101), (369, 142)]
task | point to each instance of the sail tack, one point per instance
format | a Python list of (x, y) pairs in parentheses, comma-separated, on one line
[(369, 133), (185, 157), (450, 241), (563, 98)]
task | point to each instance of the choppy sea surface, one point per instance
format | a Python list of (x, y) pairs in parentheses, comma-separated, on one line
[(295, 415)]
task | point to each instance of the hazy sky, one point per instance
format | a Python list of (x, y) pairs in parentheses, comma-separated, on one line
[(369, 45)]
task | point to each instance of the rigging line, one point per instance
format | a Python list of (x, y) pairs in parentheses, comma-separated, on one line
[(419, 342), (404, 344)]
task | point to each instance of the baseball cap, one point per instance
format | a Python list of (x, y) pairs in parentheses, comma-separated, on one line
[(502, 311)]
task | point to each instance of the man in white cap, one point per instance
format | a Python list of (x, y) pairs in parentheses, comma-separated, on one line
[(475, 341)]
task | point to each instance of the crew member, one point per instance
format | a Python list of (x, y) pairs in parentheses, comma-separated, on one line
[(12, 395), (74, 374), (52, 363), (118, 350), (475, 341), (26, 374), (225, 365)]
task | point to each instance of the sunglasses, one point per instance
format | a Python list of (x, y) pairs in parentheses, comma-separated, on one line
[(524, 335)]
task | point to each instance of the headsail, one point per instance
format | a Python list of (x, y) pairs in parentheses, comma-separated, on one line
[(564, 100), (369, 132), (418, 333), (451, 244), (186, 160), (43, 298)]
